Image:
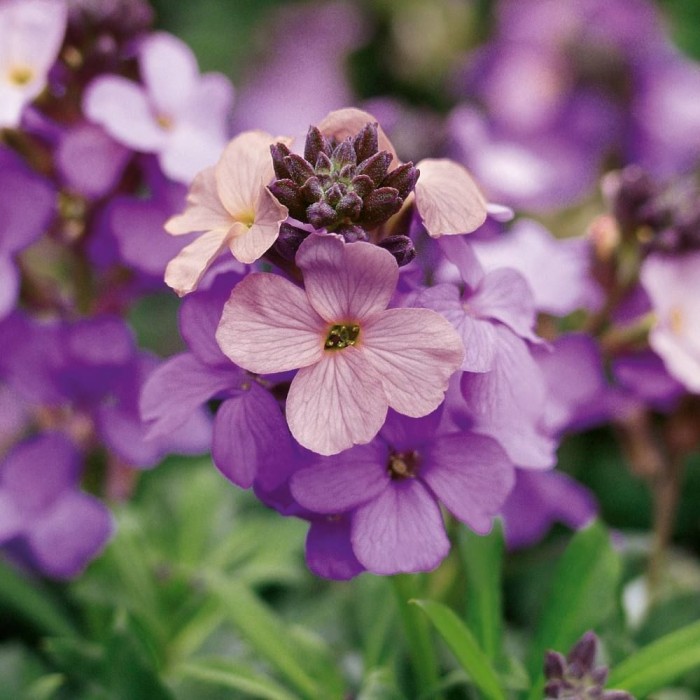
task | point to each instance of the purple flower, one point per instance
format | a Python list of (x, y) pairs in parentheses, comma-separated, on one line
[(31, 32), (45, 520), (392, 487), (27, 203), (177, 113)]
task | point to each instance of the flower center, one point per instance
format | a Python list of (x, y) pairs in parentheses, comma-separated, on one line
[(341, 335), (20, 75), (164, 122), (403, 465), (676, 320)]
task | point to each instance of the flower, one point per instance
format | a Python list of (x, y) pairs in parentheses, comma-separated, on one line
[(391, 489), (232, 205), (31, 32), (56, 528), (355, 357), (673, 285), (178, 113)]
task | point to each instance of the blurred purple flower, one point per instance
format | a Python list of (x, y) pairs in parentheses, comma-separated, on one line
[(45, 520)]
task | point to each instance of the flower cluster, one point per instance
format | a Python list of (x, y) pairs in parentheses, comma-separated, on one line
[(92, 163)]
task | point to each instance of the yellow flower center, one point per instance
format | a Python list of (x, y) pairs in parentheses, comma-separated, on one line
[(20, 75), (341, 336), (676, 320), (164, 122)]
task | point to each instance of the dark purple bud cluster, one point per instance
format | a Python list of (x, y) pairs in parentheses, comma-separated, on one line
[(576, 676), (665, 219), (344, 187)]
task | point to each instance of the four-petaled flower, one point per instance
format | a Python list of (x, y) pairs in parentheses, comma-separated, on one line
[(355, 357)]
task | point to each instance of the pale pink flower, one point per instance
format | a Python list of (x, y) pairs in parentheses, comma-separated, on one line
[(356, 358), (231, 204), (177, 113), (31, 33), (446, 197), (673, 285)]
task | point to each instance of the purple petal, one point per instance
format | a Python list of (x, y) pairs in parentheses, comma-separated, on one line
[(70, 534), (471, 475), (9, 286), (328, 550), (180, 386), (344, 481), (251, 437), (400, 531), (403, 433)]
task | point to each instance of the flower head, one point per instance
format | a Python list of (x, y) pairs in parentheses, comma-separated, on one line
[(231, 204), (31, 32), (355, 357)]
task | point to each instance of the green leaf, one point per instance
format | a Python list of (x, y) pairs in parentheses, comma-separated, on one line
[(464, 646), (582, 595), (236, 677), (308, 667), (659, 663), (482, 558), (33, 602), (379, 684)]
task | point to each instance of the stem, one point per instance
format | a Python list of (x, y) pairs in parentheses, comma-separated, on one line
[(666, 491), (417, 628)]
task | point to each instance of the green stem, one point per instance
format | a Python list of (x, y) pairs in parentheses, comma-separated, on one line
[(418, 634)]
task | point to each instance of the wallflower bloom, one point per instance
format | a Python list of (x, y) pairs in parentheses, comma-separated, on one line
[(356, 357), (177, 113), (232, 205), (673, 285), (31, 32)]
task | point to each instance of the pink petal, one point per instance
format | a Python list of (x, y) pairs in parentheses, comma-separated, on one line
[(447, 199), (186, 269), (169, 71), (415, 352), (471, 475), (268, 326), (400, 531), (346, 281), (461, 254), (122, 108), (337, 484), (12, 102), (255, 241), (11, 521), (347, 122), (337, 403), (204, 211), (243, 170)]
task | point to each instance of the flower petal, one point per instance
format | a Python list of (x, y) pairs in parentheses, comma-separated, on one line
[(339, 483), (471, 475), (328, 550), (178, 387), (188, 267), (447, 199), (414, 351), (336, 403), (243, 170), (169, 70), (346, 281), (400, 531), (269, 326), (204, 211), (250, 436), (122, 108), (253, 242)]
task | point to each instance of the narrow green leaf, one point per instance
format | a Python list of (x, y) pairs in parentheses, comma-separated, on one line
[(235, 677), (309, 669), (33, 602), (482, 558), (464, 646), (379, 684), (582, 595), (659, 663)]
